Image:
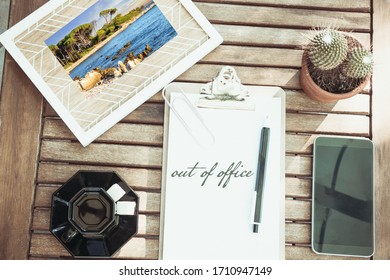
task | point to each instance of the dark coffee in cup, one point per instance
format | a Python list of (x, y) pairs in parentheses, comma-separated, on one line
[(92, 211)]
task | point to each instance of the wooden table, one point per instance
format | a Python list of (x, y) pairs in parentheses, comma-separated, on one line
[(262, 40)]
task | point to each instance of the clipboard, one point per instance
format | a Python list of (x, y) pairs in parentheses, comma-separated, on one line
[(185, 245)]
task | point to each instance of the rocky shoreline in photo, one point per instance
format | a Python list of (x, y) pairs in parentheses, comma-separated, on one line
[(98, 79)]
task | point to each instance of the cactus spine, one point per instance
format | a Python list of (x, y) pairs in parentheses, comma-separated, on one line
[(328, 49), (359, 63)]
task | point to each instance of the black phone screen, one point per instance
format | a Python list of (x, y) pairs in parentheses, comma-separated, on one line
[(343, 211)]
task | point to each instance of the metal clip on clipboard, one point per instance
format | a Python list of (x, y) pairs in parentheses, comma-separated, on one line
[(225, 91)]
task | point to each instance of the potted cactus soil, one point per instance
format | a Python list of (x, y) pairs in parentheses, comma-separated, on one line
[(335, 66)]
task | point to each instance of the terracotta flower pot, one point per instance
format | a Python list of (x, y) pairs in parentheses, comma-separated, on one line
[(317, 93)]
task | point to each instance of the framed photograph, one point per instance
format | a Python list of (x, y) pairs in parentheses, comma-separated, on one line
[(95, 61)]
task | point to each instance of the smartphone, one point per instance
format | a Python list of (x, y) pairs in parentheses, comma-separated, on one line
[(343, 196)]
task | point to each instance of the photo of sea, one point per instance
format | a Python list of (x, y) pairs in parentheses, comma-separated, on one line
[(116, 37)]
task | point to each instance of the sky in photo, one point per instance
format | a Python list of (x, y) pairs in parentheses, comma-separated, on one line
[(92, 13)]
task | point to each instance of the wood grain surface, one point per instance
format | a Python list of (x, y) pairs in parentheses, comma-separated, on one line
[(381, 126), (20, 126), (356, 5), (276, 16), (263, 40)]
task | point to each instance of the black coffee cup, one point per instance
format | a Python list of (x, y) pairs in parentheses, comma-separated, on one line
[(93, 221)]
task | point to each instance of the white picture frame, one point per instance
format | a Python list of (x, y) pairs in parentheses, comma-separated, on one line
[(25, 41)]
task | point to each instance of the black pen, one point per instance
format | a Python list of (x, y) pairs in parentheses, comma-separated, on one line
[(260, 177)]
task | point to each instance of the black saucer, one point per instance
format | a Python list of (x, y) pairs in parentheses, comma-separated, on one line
[(83, 215)]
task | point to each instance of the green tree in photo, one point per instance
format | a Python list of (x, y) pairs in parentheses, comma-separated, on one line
[(58, 53), (69, 49), (82, 35), (108, 13), (112, 12)]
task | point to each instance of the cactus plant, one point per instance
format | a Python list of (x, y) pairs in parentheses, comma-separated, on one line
[(328, 49), (359, 63), (335, 66)]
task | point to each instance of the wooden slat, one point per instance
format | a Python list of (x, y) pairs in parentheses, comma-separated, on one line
[(270, 36), (49, 173), (139, 249), (298, 187), (41, 219), (298, 165), (305, 253), (299, 143), (151, 135), (148, 202), (147, 224), (104, 154), (298, 210), (282, 17), (136, 248), (148, 113), (328, 124), (255, 56), (156, 98), (298, 233), (356, 5), (283, 77), (299, 102), (47, 245), (43, 258)]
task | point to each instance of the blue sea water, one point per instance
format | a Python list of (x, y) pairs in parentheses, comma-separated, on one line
[(151, 29)]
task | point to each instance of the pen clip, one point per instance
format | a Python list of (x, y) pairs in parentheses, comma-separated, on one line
[(208, 139)]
